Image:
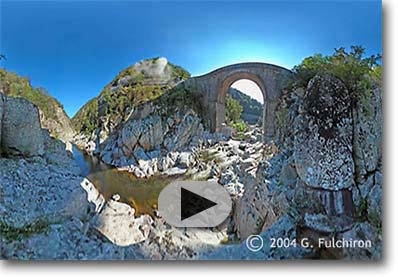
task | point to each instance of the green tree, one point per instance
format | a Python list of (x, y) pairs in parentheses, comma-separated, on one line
[(350, 66), (233, 110)]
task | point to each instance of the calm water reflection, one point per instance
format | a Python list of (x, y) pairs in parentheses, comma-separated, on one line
[(140, 193)]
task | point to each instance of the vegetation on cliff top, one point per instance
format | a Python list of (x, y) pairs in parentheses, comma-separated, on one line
[(351, 67), (133, 86), (85, 120), (179, 97), (14, 85), (53, 116), (358, 73)]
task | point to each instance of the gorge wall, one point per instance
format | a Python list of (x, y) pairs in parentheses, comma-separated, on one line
[(51, 112)]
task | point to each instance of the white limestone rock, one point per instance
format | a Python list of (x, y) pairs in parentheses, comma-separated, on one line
[(117, 222), (21, 129)]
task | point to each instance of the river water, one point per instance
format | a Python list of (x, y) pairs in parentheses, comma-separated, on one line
[(140, 193)]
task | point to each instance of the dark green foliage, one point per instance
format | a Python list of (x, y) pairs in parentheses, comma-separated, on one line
[(233, 114), (178, 96), (179, 72), (12, 233), (233, 110), (116, 101), (357, 72), (17, 86), (350, 67), (87, 117)]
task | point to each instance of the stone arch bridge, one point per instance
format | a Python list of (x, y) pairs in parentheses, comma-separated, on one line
[(212, 89)]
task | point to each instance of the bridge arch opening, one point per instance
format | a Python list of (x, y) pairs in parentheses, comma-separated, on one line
[(244, 106), (236, 80)]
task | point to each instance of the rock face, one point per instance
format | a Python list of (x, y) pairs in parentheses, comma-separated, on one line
[(367, 149), (39, 191), (259, 208), (365, 232), (117, 222), (146, 146), (140, 83), (45, 188), (368, 133), (59, 125), (21, 133), (46, 206), (52, 114), (323, 152), (323, 141)]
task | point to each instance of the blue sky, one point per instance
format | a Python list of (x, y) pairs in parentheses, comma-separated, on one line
[(74, 49)]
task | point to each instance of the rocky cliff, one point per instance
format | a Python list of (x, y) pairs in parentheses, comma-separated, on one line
[(47, 209), (52, 114), (325, 171), (142, 82), (144, 121)]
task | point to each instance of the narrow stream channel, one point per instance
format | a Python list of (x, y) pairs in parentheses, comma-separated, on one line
[(142, 194)]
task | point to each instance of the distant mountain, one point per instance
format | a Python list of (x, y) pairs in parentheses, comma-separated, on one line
[(252, 109), (52, 114), (135, 85)]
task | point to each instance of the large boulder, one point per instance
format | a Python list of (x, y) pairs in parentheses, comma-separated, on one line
[(21, 131), (116, 221), (52, 114), (323, 156), (323, 135)]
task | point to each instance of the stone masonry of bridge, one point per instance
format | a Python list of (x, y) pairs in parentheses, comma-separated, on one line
[(212, 89)]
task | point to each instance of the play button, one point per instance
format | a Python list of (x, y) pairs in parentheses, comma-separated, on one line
[(194, 204), (191, 204)]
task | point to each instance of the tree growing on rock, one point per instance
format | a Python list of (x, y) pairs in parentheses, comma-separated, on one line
[(349, 66)]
